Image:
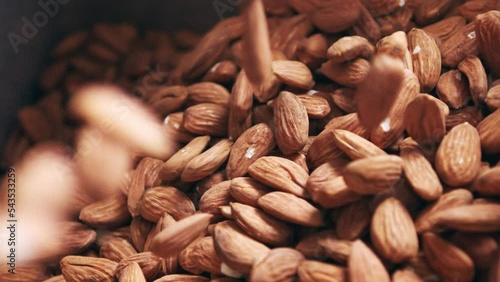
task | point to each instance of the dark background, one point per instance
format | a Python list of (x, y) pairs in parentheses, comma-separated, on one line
[(19, 72)]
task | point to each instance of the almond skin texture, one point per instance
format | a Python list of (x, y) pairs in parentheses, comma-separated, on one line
[(471, 218), (454, 198), (159, 200), (236, 249), (488, 183), (291, 123), (476, 75), (393, 232), (373, 175), (262, 227), (355, 146), (78, 268), (421, 175), (293, 73), (254, 143), (461, 43), (425, 119), (247, 190), (365, 266), (458, 158), (488, 34), (290, 208), (426, 58), (448, 261), (310, 270), (281, 174), (489, 134), (280, 264)]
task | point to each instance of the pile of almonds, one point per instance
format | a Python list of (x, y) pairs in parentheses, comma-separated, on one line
[(304, 140)]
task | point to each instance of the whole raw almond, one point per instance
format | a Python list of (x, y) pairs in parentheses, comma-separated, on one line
[(79, 268), (376, 95), (116, 249), (131, 273), (458, 158), (206, 119), (481, 248), (422, 177), (151, 265), (454, 198), (490, 137), (254, 143), (488, 182), (373, 175), (355, 146), (280, 264), (472, 67), (294, 74), (335, 16), (109, 212), (207, 92), (364, 265), (470, 218), (281, 174), (426, 58), (262, 227), (310, 270), (487, 32), (207, 162), (201, 256), (425, 119), (218, 195), (290, 208), (327, 186), (353, 220), (179, 235), (460, 44), (350, 47), (291, 123), (156, 201), (448, 261), (236, 249), (453, 89), (393, 232), (247, 190)]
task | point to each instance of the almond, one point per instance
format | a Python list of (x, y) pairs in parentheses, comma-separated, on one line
[(493, 98), (281, 174), (458, 158), (290, 208), (476, 75), (335, 16), (353, 220), (151, 265), (355, 146), (454, 198), (254, 143), (426, 58), (460, 44), (490, 137), (78, 268), (207, 162), (448, 261), (379, 90), (316, 106), (393, 126), (432, 11), (110, 212), (350, 47), (207, 92), (130, 273), (470, 218), (481, 248), (425, 119), (373, 175), (280, 264), (116, 249), (291, 123), (349, 73), (327, 186), (218, 195), (487, 31), (261, 226), (393, 232), (179, 235), (202, 255), (293, 73), (488, 183), (236, 249), (159, 200), (364, 265), (421, 175), (247, 190), (315, 271), (206, 119)]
